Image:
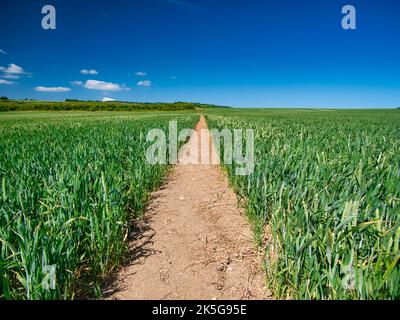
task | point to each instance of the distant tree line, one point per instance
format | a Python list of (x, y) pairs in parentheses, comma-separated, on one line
[(79, 105)]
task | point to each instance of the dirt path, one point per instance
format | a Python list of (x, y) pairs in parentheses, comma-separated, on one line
[(193, 243)]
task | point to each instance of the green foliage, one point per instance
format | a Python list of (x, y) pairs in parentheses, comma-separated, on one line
[(327, 183), (77, 105), (70, 185)]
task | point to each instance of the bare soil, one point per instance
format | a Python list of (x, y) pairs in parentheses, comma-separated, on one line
[(193, 241)]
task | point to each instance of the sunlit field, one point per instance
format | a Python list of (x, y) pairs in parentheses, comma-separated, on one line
[(70, 184), (326, 195)]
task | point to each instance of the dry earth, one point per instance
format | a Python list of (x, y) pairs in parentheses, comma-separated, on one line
[(193, 241)]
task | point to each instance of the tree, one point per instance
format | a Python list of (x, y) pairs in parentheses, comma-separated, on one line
[(4, 99)]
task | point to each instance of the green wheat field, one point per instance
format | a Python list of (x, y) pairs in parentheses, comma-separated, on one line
[(324, 199)]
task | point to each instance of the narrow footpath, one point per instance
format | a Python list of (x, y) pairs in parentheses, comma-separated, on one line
[(193, 241)]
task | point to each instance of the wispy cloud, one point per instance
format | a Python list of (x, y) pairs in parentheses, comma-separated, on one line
[(2, 51), (91, 71), (186, 4), (10, 76), (103, 85), (144, 83), (76, 83), (13, 69), (2, 81), (52, 89), (140, 74), (173, 77), (13, 72), (107, 99)]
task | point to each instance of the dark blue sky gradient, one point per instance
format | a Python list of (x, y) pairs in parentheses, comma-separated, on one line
[(248, 53)]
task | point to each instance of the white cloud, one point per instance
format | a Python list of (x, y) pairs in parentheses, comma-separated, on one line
[(105, 86), (107, 99), (144, 83), (9, 76), (140, 74), (52, 89), (85, 71), (12, 69), (173, 77), (2, 51), (6, 82), (76, 83)]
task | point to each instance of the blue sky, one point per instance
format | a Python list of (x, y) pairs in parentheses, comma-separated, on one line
[(243, 53)]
